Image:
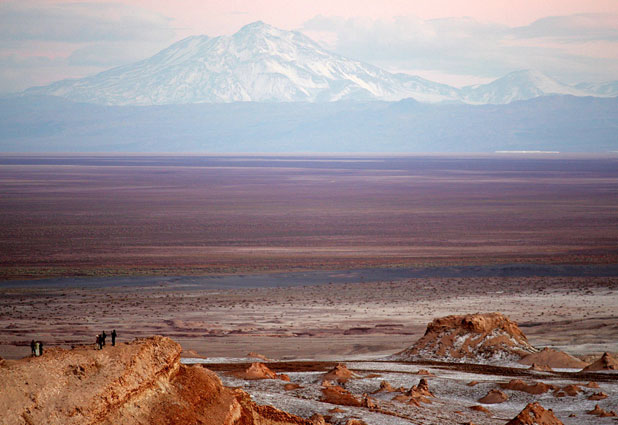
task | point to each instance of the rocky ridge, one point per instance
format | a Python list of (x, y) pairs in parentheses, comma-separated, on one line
[(142, 382)]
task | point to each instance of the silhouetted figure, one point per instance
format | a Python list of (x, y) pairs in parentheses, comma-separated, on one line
[(113, 337), (103, 336), (32, 347), (40, 348)]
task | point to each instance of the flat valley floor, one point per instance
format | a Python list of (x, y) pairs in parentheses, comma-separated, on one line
[(195, 215), (97, 217)]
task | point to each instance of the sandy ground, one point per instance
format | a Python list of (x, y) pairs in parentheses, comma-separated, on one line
[(355, 320)]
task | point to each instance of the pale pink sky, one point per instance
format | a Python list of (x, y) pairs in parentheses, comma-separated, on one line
[(226, 16)]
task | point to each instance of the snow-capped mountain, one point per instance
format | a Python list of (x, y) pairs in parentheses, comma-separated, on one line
[(261, 63), (609, 89), (258, 63), (518, 85)]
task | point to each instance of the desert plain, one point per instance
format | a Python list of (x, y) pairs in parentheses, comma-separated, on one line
[(319, 259)]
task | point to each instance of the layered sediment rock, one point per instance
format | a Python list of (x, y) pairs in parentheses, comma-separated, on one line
[(141, 382), (473, 337)]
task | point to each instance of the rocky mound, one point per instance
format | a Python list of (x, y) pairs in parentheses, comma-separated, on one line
[(606, 362), (494, 397), (530, 388), (339, 373), (602, 413), (535, 414), (473, 337), (335, 394), (137, 383), (553, 359), (258, 371), (420, 390)]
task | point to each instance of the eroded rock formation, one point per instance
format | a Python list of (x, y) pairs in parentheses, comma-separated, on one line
[(339, 373), (606, 362), (535, 414), (141, 382), (473, 337)]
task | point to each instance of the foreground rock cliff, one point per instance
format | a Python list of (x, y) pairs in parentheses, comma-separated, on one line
[(141, 382)]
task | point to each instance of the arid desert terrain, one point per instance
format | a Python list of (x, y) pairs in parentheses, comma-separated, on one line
[(308, 262), (192, 215)]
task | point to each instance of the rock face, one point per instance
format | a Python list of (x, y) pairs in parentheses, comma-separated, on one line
[(552, 359), (606, 362), (535, 414), (473, 337), (138, 383)]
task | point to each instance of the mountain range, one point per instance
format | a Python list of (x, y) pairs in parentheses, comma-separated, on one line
[(261, 63), (549, 123)]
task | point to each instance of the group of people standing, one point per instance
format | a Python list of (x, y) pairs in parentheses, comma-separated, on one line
[(36, 347), (100, 342)]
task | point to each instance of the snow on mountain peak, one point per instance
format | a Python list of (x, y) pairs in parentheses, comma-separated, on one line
[(263, 63), (518, 85)]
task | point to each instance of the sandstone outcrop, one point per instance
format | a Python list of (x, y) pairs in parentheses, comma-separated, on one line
[(530, 388), (339, 373), (420, 390), (606, 362), (416, 395), (141, 382), (602, 413), (553, 358), (473, 337), (335, 394), (494, 397), (598, 396), (535, 414), (258, 371)]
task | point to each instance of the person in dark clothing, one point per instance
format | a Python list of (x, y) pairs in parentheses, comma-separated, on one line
[(32, 348), (113, 337), (40, 348), (103, 336)]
